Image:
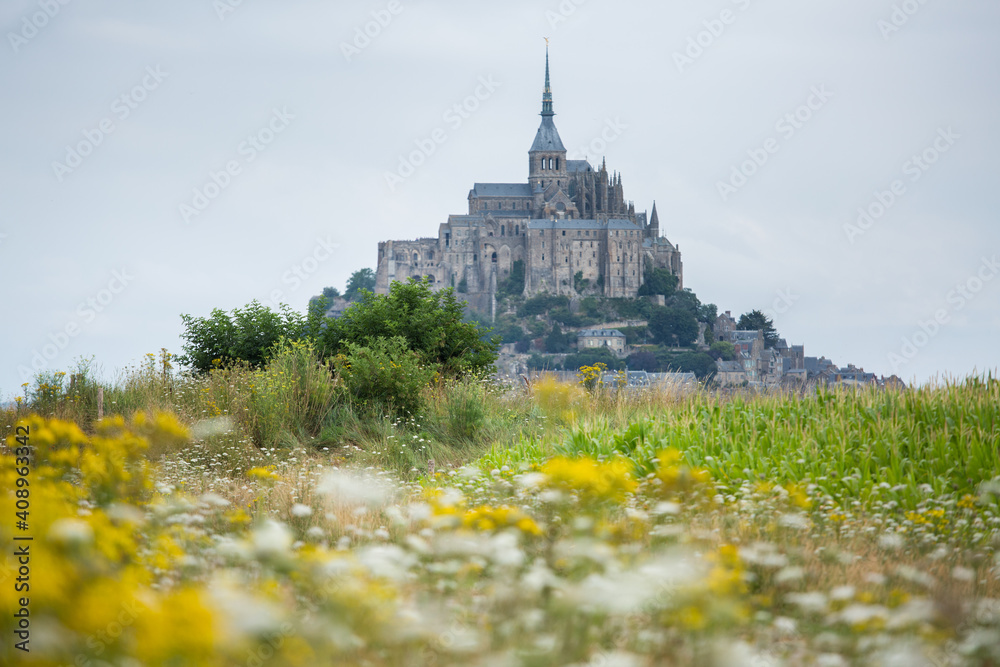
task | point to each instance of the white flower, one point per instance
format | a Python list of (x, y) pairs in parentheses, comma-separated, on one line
[(214, 500), (351, 489), (814, 602), (271, 539), (842, 593), (206, 428), (531, 480), (789, 575), (300, 510), (891, 541), (71, 532), (667, 508)]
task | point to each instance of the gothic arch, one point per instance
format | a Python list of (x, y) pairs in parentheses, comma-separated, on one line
[(504, 262)]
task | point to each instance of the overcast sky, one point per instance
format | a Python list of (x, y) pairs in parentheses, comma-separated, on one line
[(168, 158)]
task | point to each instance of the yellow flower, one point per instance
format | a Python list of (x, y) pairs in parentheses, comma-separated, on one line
[(591, 479)]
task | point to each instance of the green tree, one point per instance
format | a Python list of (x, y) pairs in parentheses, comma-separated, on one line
[(643, 361), (758, 321), (566, 318), (248, 334), (658, 281), (699, 363), (580, 283), (708, 313), (590, 357), (513, 284), (723, 350), (362, 279), (432, 323), (331, 292), (673, 326), (557, 342)]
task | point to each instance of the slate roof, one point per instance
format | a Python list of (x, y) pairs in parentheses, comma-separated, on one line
[(578, 165), (729, 366), (501, 190), (746, 336), (565, 224), (623, 224), (601, 333), (547, 138)]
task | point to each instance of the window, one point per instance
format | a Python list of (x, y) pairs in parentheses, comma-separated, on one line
[(543, 257), (564, 232), (502, 231), (495, 261)]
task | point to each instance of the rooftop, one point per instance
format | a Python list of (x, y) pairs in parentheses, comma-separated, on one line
[(601, 333), (501, 190)]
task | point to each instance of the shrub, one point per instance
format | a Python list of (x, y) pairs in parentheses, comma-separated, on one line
[(290, 396), (673, 326), (658, 281), (590, 357), (566, 318), (513, 284), (248, 334), (542, 303), (384, 377), (723, 350), (430, 324)]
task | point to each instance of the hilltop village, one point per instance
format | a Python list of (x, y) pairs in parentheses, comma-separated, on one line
[(569, 272)]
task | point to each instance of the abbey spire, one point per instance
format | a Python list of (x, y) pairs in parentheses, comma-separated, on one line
[(547, 94), (547, 139)]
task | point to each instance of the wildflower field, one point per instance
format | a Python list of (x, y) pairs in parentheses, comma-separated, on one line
[(243, 517)]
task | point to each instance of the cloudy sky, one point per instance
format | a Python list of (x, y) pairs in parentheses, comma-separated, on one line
[(168, 158)]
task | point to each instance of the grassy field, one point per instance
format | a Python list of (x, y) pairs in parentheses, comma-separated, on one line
[(247, 518)]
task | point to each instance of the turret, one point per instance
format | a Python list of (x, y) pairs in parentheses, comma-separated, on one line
[(547, 156)]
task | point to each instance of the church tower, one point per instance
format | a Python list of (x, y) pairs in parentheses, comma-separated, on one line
[(547, 157)]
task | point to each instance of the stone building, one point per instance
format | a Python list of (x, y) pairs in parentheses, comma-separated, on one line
[(613, 339), (569, 225)]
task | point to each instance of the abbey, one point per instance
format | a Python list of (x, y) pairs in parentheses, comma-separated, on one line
[(569, 225)]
